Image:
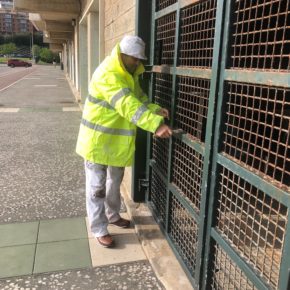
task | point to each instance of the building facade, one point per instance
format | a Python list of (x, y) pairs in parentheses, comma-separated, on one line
[(13, 22)]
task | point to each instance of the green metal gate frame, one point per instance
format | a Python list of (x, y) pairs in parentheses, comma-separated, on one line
[(208, 235)]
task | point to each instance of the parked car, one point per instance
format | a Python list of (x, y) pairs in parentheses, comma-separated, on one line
[(18, 62)]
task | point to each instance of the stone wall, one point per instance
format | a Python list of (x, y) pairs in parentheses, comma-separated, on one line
[(119, 20)]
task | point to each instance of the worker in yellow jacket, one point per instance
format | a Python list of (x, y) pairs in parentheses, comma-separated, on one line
[(115, 106)]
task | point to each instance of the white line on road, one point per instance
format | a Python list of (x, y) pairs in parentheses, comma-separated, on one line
[(31, 78), (15, 82), (9, 110), (45, 85), (70, 109)]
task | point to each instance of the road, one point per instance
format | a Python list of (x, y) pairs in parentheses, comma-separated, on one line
[(9, 76)]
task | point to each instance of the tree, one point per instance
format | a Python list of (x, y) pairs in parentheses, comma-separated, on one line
[(7, 48), (46, 55), (36, 50)]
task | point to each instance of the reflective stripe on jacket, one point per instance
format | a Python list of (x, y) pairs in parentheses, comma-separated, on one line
[(113, 109)]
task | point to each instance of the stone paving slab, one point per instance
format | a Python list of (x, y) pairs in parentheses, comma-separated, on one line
[(17, 260), (62, 255), (128, 276), (62, 229), (18, 234)]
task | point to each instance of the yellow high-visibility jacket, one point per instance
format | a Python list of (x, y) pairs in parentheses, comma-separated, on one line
[(115, 106)]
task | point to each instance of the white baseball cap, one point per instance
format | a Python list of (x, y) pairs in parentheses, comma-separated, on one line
[(133, 46)]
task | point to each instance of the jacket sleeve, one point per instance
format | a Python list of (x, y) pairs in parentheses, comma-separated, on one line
[(121, 98), (152, 107)]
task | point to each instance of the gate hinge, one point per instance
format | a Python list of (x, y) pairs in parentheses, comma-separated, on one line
[(143, 183)]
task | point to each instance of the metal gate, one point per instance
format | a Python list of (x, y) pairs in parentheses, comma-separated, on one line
[(220, 190)]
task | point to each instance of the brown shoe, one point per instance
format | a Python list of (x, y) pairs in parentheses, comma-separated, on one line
[(106, 241), (121, 223)]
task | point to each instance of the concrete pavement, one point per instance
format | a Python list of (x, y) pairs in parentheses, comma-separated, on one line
[(44, 240)]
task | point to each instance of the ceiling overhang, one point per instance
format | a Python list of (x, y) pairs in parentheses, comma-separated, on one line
[(55, 17)]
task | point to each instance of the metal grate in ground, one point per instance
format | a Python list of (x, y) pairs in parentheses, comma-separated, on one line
[(261, 35), (253, 222), (192, 106), (165, 39), (197, 34), (257, 129), (187, 168)]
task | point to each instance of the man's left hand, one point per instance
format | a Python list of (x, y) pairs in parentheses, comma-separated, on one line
[(163, 112)]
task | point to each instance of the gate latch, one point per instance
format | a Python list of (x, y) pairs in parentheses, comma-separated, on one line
[(143, 183)]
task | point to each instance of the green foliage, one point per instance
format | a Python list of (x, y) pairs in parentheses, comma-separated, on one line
[(7, 48), (36, 50), (46, 55), (23, 39)]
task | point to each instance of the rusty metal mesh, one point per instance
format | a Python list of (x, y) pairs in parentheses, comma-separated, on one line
[(158, 197), (160, 154), (192, 106), (187, 166), (257, 129), (226, 274), (165, 39), (163, 90), (253, 222), (161, 4), (261, 35), (183, 232), (197, 34)]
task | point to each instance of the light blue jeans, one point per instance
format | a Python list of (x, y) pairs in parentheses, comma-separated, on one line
[(103, 198)]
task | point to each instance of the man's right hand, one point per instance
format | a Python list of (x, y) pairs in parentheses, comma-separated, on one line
[(163, 131)]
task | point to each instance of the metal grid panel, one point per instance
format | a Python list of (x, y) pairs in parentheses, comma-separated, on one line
[(257, 129), (160, 153), (197, 34), (253, 222), (226, 274), (183, 232), (161, 4), (165, 39), (187, 166), (192, 106), (158, 197), (163, 90), (261, 35)]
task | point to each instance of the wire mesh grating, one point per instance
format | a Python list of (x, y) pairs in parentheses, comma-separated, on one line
[(158, 197), (161, 4), (165, 39), (160, 155), (187, 166), (192, 106), (261, 35), (183, 232), (197, 34), (226, 274), (253, 222), (163, 90), (257, 129)]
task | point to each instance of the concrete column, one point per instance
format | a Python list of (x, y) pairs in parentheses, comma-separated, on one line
[(83, 62), (101, 30), (93, 42), (76, 54)]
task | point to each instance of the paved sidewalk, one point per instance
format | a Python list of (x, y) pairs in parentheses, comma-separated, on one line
[(44, 241)]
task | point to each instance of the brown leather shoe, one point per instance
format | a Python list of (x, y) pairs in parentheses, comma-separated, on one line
[(121, 223), (106, 241)]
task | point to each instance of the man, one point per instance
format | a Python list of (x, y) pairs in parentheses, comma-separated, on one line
[(115, 106)]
